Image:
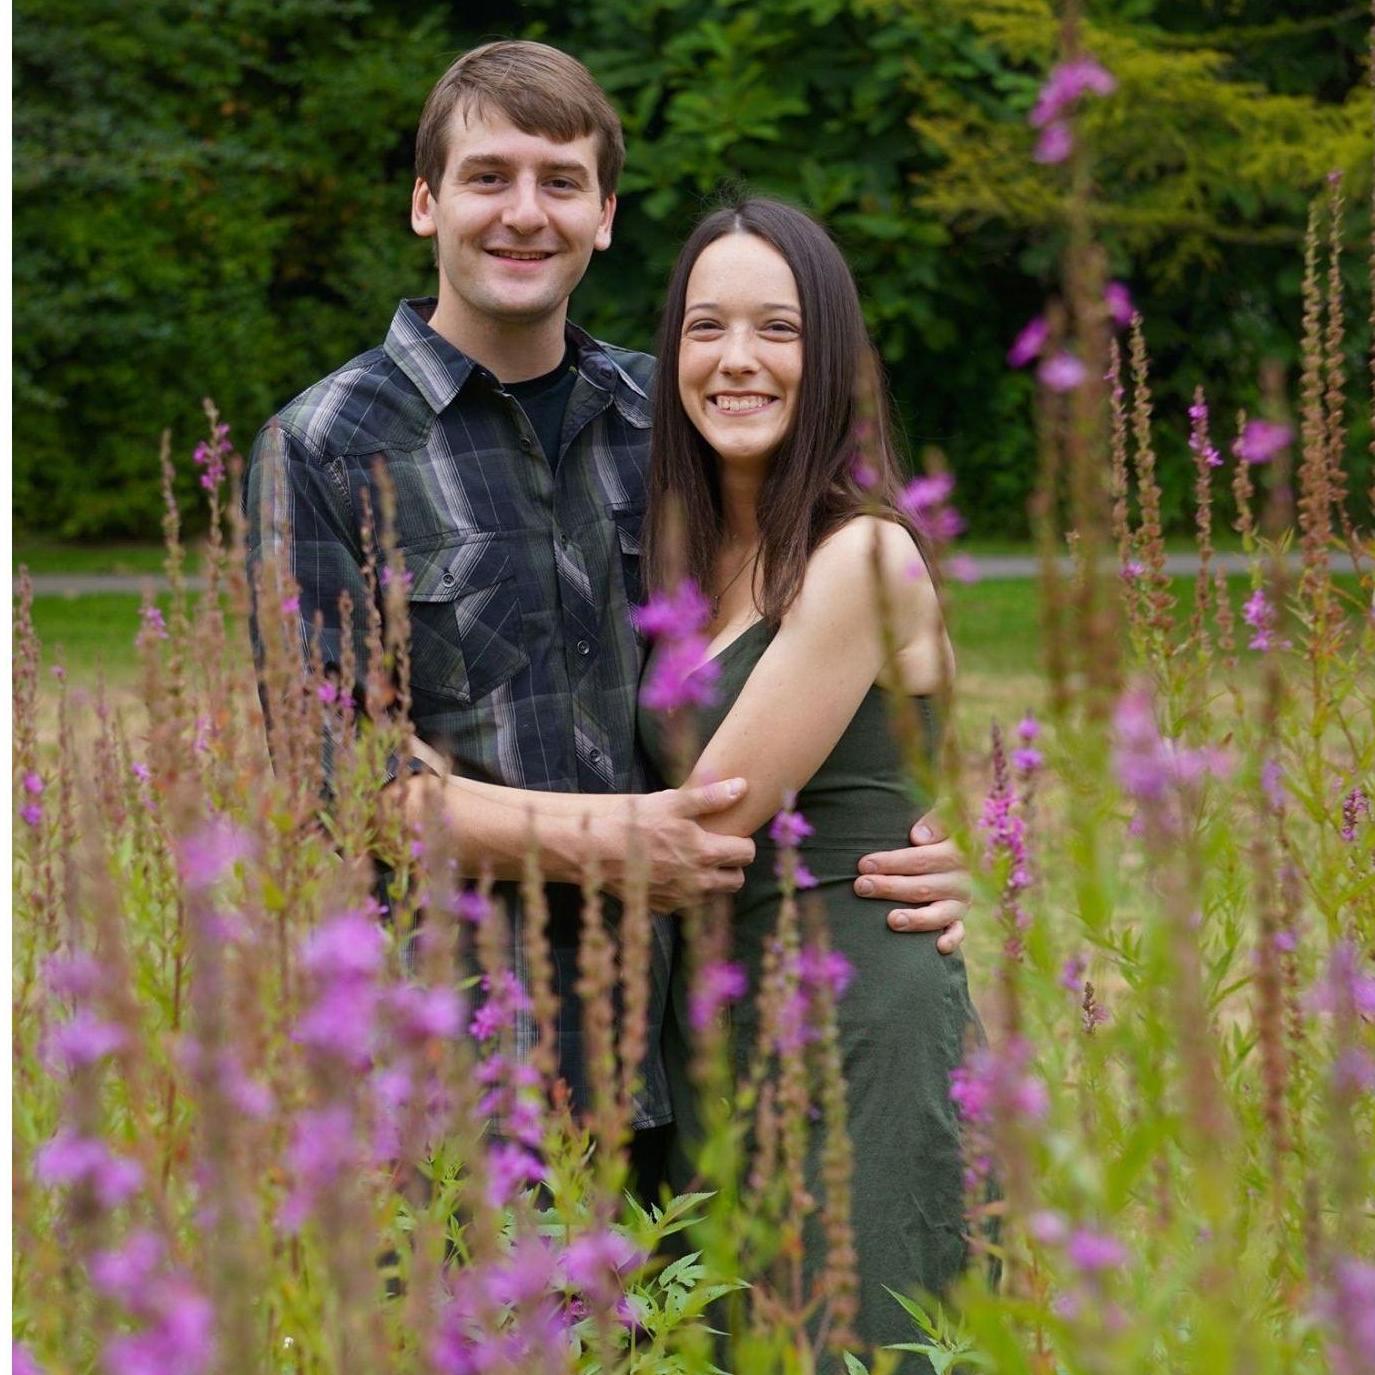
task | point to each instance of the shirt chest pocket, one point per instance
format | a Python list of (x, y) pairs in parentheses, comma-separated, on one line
[(466, 635)]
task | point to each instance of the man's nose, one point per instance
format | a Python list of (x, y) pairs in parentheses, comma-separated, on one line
[(523, 213)]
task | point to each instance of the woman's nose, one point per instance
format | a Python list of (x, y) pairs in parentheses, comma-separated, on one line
[(737, 353)]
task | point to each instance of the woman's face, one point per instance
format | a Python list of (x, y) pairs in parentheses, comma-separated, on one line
[(740, 356)]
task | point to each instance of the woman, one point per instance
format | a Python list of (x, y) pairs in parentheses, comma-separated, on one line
[(754, 476)]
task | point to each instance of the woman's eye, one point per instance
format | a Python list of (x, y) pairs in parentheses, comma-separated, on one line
[(702, 326), (781, 327)]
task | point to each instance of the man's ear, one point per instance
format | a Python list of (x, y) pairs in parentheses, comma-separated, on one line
[(422, 210), (603, 239)]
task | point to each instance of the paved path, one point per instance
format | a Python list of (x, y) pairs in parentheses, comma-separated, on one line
[(990, 566)]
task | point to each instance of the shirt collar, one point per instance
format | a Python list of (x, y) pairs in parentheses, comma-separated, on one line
[(439, 370)]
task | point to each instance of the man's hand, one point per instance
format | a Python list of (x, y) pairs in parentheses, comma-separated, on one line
[(686, 862), (930, 879)]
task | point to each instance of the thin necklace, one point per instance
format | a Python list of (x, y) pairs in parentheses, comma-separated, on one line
[(735, 577)]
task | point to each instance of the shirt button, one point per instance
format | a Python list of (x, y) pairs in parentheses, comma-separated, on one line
[(595, 757), (526, 445), (584, 647), (448, 579)]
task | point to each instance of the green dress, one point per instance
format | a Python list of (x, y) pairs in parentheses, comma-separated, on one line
[(903, 1021)]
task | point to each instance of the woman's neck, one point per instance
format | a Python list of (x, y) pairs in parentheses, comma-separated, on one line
[(740, 507)]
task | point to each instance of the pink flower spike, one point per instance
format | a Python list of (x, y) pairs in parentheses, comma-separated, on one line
[(1119, 303), (1054, 146), (1094, 1252), (208, 855), (1062, 372), (31, 814), (123, 1274), (33, 784), (84, 1040), (958, 568), (1029, 343), (718, 985), (1261, 440), (1064, 86)]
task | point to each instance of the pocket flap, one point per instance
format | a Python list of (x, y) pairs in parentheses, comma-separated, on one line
[(448, 571), (629, 521)]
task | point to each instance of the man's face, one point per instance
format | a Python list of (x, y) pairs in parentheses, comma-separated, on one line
[(515, 221)]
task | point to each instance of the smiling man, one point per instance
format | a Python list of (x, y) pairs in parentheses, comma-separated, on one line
[(516, 446)]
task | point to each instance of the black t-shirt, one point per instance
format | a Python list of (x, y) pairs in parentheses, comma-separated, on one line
[(544, 400)]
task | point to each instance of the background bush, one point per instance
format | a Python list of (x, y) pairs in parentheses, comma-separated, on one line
[(213, 198)]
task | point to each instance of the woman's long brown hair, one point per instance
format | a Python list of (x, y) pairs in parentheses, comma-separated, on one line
[(842, 425)]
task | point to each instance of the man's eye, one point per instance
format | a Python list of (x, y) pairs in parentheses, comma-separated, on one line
[(487, 178), (562, 184)]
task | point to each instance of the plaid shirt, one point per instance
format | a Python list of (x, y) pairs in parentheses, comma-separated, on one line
[(524, 664)]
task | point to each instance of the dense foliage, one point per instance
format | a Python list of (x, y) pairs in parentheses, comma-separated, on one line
[(212, 198)]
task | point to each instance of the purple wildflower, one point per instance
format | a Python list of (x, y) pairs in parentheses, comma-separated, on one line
[(829, 969), (527, 1273), (77, 975), (1353, 1071), (154, 626), (719, 984), (1027, 760), (678, 614), (211, 455), (505, 999), (124, 1273), (680, 675), (1355, 805), (1029, 342), (1055, 144), (1272, 782), (1072, 973), (180, 1338), (322, 1148), (1119, 303), (596, 1262), (291, 605), (346, 947), (1062, 372), (472, 906), (31, 813), (1261, 440), (1048, 1227), (33, 783), (510, 1168), (789, 828), (1093, 1252), (210, 853), (142, 772), (424, 1014), (1260, 616), (958, 567), (1199, 441), (1286, 940), (1347, 1306), (990, 1084), (863, 473), (22, 1361), (1028, 729), (926, 500), (1138, 751), (338, 1025), (83, 1039), (1066, 83), (69, 1159), (1344, 984)]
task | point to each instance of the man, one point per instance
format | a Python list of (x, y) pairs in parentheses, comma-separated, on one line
[(516, 446)]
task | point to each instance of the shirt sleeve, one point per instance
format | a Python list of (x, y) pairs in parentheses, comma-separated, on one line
[(302, 530)]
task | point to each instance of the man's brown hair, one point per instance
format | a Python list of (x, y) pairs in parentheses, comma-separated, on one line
[(538, 88)]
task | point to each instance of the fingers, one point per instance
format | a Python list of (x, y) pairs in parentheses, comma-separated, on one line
[(936, 916), (706, 798), (951, 939), (915, 889), (726, 852), (940, 856), (927, 829)]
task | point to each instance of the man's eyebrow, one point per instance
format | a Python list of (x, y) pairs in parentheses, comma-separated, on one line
[(496, 160)]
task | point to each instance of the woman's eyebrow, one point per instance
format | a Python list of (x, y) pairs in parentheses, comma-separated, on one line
[(767, 305)]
